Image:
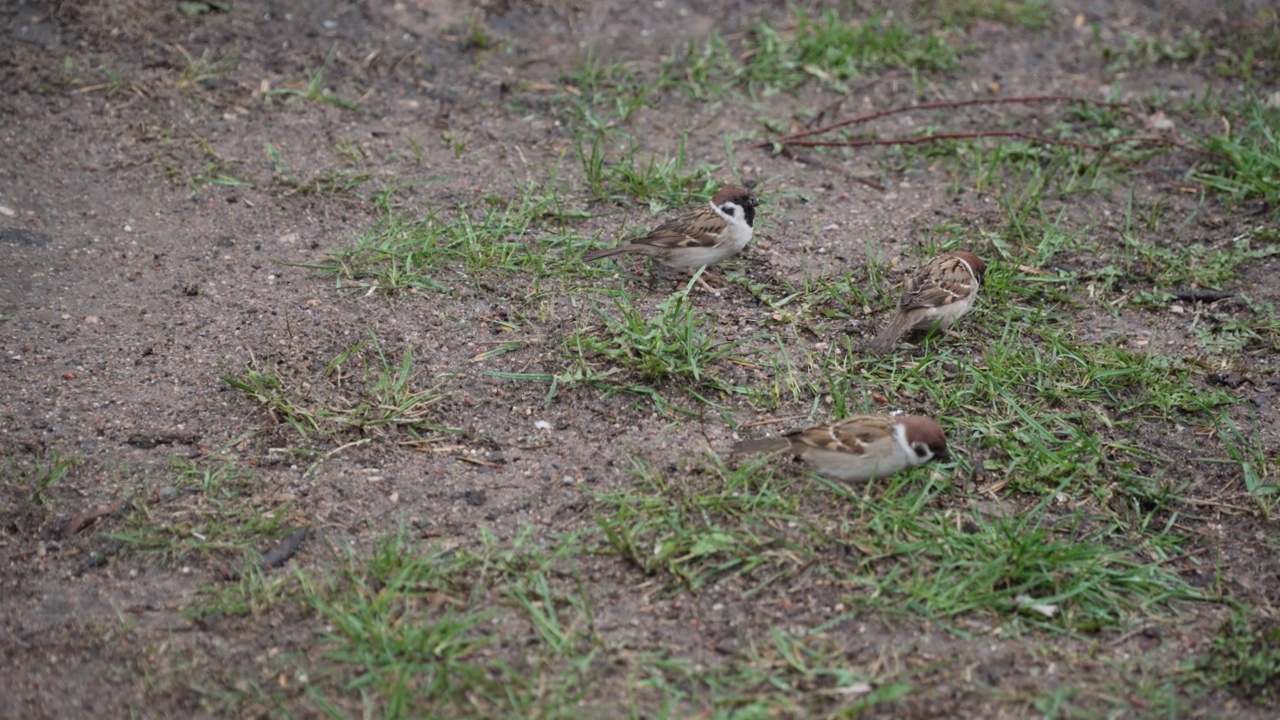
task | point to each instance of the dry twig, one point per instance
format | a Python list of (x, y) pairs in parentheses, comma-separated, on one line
[(800, 138)]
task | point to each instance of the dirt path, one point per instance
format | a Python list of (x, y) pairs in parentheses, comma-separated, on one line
[(200, 324)]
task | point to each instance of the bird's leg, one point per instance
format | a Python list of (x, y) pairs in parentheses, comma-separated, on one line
[(705, 285)]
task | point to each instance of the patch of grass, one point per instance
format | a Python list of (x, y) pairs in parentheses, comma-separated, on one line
[(30, 483), (329, 181), (362, 391), (510, 629), (782, 675), (212, 509), (116, 83), (216, 170), (207, 67), (1027, 172), (671, 345), (68, 73), (314, 90), (279, 167), (1249, 454), (667, 355), (1031, 14), (1196, 266), (1053, 404), (703, 70), (1223, 332), (485, 241), (406, 625), (1245, 166), (1248, 48), (501, 630), (333, 182), (602, 95), (903, 549), (1142, 50), (1088, 148), (1240, 165), (625, 176), (1055, 573), (832, 50), (350, 152), (215, 173), (674, 342), (1246, 657), (708, 523), (253, 593), (26, 485), (455, 141), (476, 36)]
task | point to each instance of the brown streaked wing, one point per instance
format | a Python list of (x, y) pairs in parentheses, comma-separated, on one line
[(938, 287), (700, 229), (851, 435)]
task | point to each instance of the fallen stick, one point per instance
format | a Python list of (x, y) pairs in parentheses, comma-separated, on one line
[(276, 556), (994, 134), (78, 523), (939, 105), (1200, 295)]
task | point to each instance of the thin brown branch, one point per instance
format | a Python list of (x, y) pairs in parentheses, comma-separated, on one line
[(987, 134), (940, 105), (87, 518)]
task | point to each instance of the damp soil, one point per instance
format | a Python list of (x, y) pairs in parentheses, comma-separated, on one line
[(129, 290)]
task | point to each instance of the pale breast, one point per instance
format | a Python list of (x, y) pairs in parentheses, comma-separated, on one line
[(884, 458), (692, 258)]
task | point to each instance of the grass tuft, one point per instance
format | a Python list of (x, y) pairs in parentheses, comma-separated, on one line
[(1246, 657), (676, 341), (832, 51), (211, 509), (491, 240), (314, 89), (1246, 166), (625, 176), (708, 524), (362, 391)]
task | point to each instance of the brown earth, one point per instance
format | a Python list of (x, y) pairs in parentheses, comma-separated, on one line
[(129, 291)]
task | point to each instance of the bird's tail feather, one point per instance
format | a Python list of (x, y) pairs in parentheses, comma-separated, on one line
[(883, 342), (597, 254)]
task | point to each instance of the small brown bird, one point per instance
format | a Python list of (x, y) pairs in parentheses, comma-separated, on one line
[(697, 237), (937, 294), (860, 448)]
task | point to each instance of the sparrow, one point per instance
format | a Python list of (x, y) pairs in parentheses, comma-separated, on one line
[(699, 236), (937, 294), (860, 448)]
